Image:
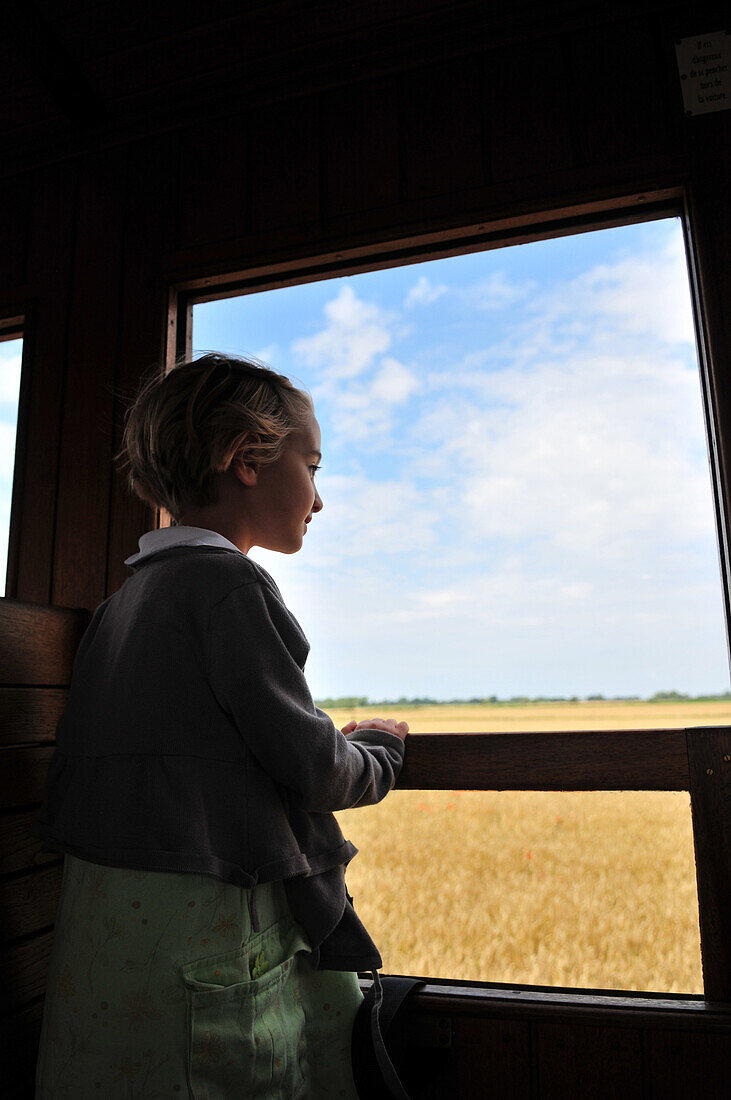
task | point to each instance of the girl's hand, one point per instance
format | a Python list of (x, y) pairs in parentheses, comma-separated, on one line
[(390, 725)]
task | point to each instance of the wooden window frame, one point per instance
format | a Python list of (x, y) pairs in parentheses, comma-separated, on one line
[(697, 759)]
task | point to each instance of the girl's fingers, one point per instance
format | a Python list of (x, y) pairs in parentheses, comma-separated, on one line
[(366, 723)]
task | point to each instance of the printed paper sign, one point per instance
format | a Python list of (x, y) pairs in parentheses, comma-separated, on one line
[(703, 64)]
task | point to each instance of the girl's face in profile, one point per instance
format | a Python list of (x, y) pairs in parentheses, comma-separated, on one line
[(286, 496)]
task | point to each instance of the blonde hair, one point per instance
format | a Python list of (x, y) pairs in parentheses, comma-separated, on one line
[(183, 428)]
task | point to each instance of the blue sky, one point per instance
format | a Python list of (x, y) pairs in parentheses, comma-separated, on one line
[(515, 479), (517, 498)]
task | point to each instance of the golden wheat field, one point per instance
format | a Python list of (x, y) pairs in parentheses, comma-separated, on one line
[(594, 890)]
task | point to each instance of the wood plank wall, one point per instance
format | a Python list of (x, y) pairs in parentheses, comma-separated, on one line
[(94, 242), (422, 145), (33, 695)]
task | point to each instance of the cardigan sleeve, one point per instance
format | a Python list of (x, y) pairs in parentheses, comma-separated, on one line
[(252, 669)]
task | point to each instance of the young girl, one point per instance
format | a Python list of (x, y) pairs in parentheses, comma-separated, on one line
[(205, 943)]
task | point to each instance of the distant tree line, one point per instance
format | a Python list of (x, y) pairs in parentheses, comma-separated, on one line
[(347, 701)]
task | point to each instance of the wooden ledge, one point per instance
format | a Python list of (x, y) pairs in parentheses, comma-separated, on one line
[(576, 760)]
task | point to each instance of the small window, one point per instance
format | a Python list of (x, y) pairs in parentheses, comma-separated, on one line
[(11, 353)]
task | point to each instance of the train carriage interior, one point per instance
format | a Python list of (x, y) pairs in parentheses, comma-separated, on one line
[(159, 156)]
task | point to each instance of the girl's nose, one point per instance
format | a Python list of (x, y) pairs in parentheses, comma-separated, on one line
[(318, 502)]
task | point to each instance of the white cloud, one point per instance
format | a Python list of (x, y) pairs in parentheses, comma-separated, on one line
[(367, 517), (495, 292), (7, 458), (364, 411), (10, 379), (641, 295), (584, 453), (346, 566), (581, 429), (424, 292), (269, 354), (359, 386), (512, 630), (577, 590), (356, 332), (394, 383)]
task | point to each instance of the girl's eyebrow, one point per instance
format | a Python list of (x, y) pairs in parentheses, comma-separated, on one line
[(310, 453)]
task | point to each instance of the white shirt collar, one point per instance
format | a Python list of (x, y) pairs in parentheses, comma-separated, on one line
[(164, 537)]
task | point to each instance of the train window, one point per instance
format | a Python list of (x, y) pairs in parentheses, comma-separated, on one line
[(592, 890), (518, 532), (11, 350)]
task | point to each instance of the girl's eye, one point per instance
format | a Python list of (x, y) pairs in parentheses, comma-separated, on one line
[(315, 467)]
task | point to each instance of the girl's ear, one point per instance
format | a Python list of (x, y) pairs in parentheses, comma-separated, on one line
[(246, 472)]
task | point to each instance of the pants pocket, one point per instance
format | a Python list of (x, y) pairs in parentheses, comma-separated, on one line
[(245, 1019)]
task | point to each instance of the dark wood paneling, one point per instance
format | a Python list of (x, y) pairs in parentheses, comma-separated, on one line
[(277, 35), (19, 1036), (212, 181), (25, 110), (504, 214), (601, 1062), (23, 775), (527, 1041), (19, 850), (38, 643), (440, 1056), (29, 902), (24, 968), (441, 130), (53, 67), (617, 81), (284, 160), (491, 1059), (359, 129), (50, 257), (30, 715), (587, 760), (13, 70), (94, 30), (117, 26), (527, 109), (15, 198), (158, 83), (84, 482), (56, 11), (709, 761), (149, 235), (686, 1066)]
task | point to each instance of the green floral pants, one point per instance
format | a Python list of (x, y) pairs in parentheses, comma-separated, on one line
[(158, 988)]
